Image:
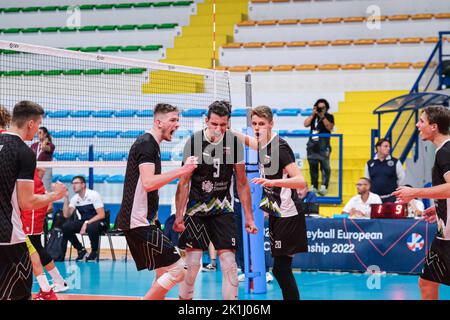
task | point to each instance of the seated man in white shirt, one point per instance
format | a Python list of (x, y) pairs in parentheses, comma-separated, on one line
[(359, 206)]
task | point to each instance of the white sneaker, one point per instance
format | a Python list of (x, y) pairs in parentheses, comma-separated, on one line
[(313, 190), (60, 288), (323, 190), (241, 277), (209, 267), (269, 277)]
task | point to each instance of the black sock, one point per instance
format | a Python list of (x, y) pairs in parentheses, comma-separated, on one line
[(282, 271)]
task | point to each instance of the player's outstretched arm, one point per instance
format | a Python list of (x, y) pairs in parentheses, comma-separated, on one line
[(295, 180), (243, 189), (181, 199), (246, 139), (151, 181), (29, 201), (406, 194)]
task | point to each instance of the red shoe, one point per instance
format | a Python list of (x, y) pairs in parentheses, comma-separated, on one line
[(46, 295)]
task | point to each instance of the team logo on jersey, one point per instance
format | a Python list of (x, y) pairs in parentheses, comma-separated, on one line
[(390, 163), (226, 150), (415, 242), (266, 159), (207, 186)]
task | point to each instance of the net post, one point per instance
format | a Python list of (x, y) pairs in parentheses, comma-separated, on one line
[(91, 169), (254, 255)]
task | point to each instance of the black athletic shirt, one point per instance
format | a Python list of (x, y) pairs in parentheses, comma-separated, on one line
[(18, 164), (273, 158), (211, 190), (139, 206), (441, 168)]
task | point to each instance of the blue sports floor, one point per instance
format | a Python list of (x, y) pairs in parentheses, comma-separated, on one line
[(108, 279)]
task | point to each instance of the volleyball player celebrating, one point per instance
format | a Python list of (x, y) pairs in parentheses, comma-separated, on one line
[(207, 197), (279, 177), (143, 177), (433, 125)]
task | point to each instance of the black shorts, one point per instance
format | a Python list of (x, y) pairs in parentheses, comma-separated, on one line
[(150, 248), (16, 276), (200, 231), (287, 235), (437, 263)]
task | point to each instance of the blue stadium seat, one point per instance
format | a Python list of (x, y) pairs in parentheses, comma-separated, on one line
[(131, 133), (129, 113), (80, 113), (85, 134), (113, 156), (108, 134), (85, 156), (307, 112), (191, 113), (56, 177), (63, 134), (100, 178), (66, 156), (182, 134), (116, 179), (144, 113), (103, 113), (239, 113), (283, 133), (166, 156), (291, 112), (67, 178), (295, 133), (57, 114)]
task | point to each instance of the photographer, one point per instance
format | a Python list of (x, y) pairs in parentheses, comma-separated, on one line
[(44, 150), (318, 148)]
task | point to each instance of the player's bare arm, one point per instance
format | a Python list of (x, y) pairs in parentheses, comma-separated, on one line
[(243, 189), (152, 181)]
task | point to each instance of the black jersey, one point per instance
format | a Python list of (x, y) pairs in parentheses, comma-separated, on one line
[(139, 206), (274, 157), (18, 164), (211, 190), (440, 169)]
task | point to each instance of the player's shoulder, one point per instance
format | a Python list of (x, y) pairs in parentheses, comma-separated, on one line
[(283, 143), (445, 147)]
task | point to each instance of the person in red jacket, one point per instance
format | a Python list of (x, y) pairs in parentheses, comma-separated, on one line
[(33, 226)]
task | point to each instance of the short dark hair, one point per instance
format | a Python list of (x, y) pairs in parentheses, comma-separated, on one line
[(324, 101), (164, 108), (81, 178), (5, 117), (24, 111), (367, 180), (440, 115), (221, 108), (380, 142), (263, 112)]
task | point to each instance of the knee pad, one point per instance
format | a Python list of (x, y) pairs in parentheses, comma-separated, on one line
[(192, 261), (175, 273), (229, 275)]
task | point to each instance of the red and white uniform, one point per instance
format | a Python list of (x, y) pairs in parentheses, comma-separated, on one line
[(33, 220)]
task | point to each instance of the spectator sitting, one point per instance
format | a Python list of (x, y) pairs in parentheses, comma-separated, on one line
[(385, 172), (359, 206), (415, 206), (90, 206), (305, 195)]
